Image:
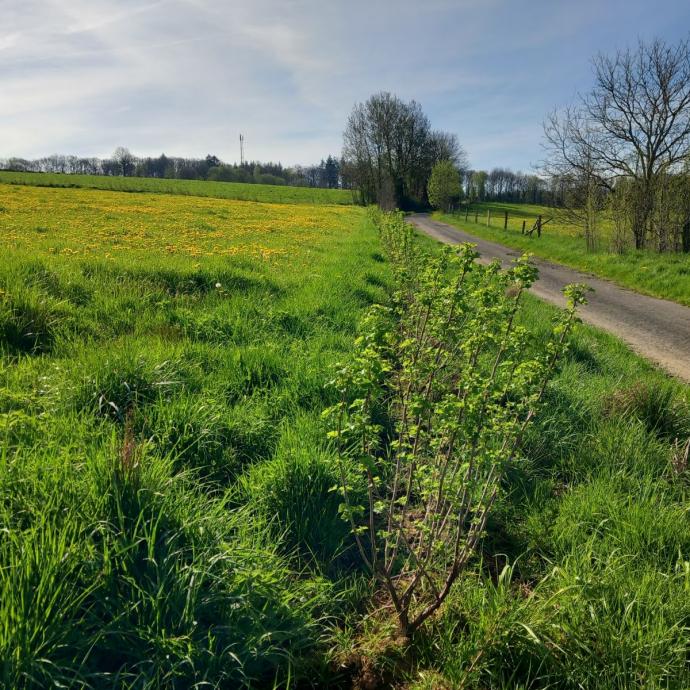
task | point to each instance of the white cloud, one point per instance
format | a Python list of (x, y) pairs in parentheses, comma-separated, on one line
[(186, 76)]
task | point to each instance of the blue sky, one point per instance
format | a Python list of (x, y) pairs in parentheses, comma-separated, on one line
[(187, 76)]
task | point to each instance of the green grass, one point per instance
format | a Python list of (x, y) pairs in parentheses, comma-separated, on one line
[(146, 399), (166, 513), (660, 275), (221, 190)]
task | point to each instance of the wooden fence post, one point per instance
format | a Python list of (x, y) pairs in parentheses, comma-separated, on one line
[(467, 212), (523, 226), (476, 216), (505, 221), (539, 226), (488, 218)]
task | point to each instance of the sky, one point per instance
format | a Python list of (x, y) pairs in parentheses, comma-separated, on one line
[(186, 77)]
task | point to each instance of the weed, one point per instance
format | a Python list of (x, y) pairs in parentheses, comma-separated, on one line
[(656, 406)]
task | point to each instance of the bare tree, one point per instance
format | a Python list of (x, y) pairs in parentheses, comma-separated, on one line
[(444, 146), (571, 142), (633, 124), (641, 102)]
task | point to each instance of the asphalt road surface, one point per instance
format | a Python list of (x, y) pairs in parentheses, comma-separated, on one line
[(655, 328)]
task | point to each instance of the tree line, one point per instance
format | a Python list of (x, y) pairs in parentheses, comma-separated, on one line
[(502, 184), (327, 173), (390, 150)]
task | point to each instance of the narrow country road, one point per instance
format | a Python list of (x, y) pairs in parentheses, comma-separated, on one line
[(655, 328)]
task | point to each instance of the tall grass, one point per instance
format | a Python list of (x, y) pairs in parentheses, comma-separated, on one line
[(166, 513), (136, 398)]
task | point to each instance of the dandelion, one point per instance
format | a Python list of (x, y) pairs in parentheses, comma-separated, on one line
[(124, 227), (218, 286)]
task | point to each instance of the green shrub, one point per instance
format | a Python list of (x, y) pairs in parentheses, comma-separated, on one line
[(444, 186)]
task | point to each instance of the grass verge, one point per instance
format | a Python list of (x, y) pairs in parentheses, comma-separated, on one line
[(661, 275), (583, 576)]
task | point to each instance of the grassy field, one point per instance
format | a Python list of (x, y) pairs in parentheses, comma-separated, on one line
[(222, 190), (660, 275), (140, 226), (153, 349), (166, 512)]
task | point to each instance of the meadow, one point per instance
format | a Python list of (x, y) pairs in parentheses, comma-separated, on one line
[(221, 190), (163, 369), (167, 513), (660, 275)]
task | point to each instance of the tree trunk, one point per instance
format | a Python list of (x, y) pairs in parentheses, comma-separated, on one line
[(686, 236)]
